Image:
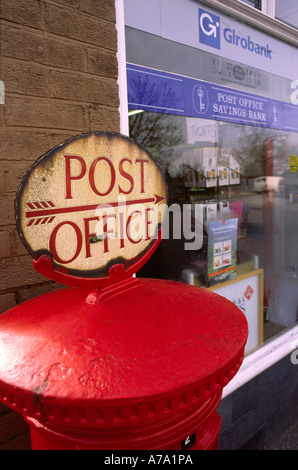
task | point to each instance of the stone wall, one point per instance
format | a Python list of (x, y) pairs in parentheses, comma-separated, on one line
[(59, 68)]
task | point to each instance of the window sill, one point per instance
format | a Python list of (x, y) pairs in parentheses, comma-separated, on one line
[(261, 359)]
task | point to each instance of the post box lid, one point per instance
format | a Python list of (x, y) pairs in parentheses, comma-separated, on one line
[(139, 348)]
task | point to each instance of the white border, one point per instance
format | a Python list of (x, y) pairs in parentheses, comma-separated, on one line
[(121, 57)]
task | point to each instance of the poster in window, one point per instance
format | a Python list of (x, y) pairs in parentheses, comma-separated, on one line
[(223, 176), (246, 292), (222, 248), (189, 177), (234, 171), (211, 179)]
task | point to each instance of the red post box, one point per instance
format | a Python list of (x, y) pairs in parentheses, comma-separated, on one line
[(112, 361)]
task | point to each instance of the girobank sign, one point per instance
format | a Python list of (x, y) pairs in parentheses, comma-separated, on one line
[(210, 34), (187, 96)]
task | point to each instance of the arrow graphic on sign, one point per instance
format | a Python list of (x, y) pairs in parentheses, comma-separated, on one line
[(44, 212)]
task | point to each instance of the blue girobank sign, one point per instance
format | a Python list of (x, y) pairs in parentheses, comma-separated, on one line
[(210, 31), (163, 92)]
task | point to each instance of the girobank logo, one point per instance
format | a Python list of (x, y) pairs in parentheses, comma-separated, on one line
[(210, 35), (209, 29)]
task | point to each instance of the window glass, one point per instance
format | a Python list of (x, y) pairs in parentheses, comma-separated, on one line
[(232, 186), (264, 200), (287, 11)]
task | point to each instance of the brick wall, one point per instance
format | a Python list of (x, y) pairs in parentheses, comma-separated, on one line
[(59, 67)]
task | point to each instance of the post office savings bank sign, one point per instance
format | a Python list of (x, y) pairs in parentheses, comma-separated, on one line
[(185, 96)]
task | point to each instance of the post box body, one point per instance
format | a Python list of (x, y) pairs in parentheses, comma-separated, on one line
[(138, 365)]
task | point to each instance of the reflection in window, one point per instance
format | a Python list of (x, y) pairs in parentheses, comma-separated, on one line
[(232, 172)]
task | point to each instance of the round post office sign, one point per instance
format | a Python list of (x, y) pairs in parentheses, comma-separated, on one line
[(92, 202)]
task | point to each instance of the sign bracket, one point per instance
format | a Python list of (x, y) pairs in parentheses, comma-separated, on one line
[(117, 273)]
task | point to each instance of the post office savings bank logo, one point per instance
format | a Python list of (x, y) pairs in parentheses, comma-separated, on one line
[(209, 29)]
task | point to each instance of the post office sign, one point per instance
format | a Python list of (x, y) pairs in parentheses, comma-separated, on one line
[(92, 202)]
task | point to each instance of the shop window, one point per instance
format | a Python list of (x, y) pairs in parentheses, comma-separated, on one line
[(218, 116), (220, 170)]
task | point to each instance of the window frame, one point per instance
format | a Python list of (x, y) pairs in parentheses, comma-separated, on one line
[(253, 6), (268, 7)]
